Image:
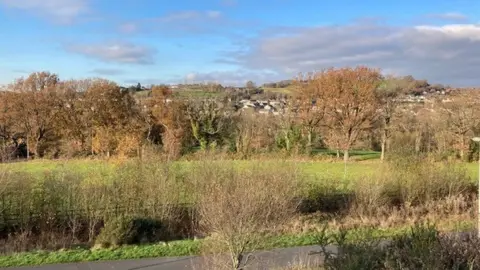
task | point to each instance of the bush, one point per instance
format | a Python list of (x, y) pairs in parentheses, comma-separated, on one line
[(238, 206), (421, 248), (127, 231), (411, 181)]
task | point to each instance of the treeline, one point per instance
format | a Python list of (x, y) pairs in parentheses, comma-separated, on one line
[(42, 116)]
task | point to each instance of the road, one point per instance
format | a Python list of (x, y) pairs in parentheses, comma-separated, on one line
[(276, 258)]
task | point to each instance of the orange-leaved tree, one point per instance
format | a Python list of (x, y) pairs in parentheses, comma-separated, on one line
[(349, 100), (115, 118), (36, 107)]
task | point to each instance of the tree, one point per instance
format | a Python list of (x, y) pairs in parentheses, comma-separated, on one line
[(209, 122), (115, 118), (139, 87), (166, 120), (7, 124), (387, 93), (75, 117), (250, 85), (309, 106), (36, 108), (350, 101), (253, 133), (462, 118)]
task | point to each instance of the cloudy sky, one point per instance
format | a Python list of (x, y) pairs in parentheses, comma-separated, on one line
[(231, 41)]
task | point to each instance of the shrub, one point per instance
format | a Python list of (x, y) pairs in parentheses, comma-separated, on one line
[(411, 181), (238, 206), (126, 231), (423, 247)]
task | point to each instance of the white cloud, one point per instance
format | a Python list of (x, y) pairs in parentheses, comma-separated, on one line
[(450, 16), (118, 52), (445, 54), (62, 11), (188, 15), (192, 22)]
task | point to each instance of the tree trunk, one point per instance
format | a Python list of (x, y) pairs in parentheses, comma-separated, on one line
[(309, 143), (384, 144), (418, 140), (28, 148), (338, 154), (287, 142), (462, 147), (382, 155), (345, 155)]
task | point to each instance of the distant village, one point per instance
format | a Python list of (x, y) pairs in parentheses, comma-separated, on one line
[(257, 100)]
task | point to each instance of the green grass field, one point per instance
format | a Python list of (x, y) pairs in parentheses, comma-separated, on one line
[(313, 170)]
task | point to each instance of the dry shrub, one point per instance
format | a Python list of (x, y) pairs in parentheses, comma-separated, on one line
[(172, 143), (62, 207), (411, 181), (238, 206), (423, 247)]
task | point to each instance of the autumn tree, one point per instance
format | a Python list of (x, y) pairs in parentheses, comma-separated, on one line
[(115, 118), (166, 120), (7, 124), (36, 108), (75, 118), (350, 101), (309, 106)]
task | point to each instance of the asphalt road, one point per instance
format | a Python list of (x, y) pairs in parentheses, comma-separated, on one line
[(261, 260)]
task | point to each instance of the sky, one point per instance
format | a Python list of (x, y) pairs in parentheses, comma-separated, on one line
[(233, 41)]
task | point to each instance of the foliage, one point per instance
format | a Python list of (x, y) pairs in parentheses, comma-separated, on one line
[(210, 122), (127, 231), (349, 108), (346, 98)]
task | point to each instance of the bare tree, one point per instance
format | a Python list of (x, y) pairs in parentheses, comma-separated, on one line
[(462, 117), (388, 92), (236, 211)]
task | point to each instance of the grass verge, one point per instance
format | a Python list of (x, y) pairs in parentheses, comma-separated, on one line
[(190, 247)]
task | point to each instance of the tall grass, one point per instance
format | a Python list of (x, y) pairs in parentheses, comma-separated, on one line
[(153, 200), (72, 207)]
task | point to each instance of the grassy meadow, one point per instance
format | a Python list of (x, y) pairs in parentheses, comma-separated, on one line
[(66, 207), (313, 170)]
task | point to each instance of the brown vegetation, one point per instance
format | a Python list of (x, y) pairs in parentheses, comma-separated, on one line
[(42, 116), (239, 208)]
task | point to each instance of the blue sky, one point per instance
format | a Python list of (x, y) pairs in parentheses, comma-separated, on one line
[(232, 41)]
